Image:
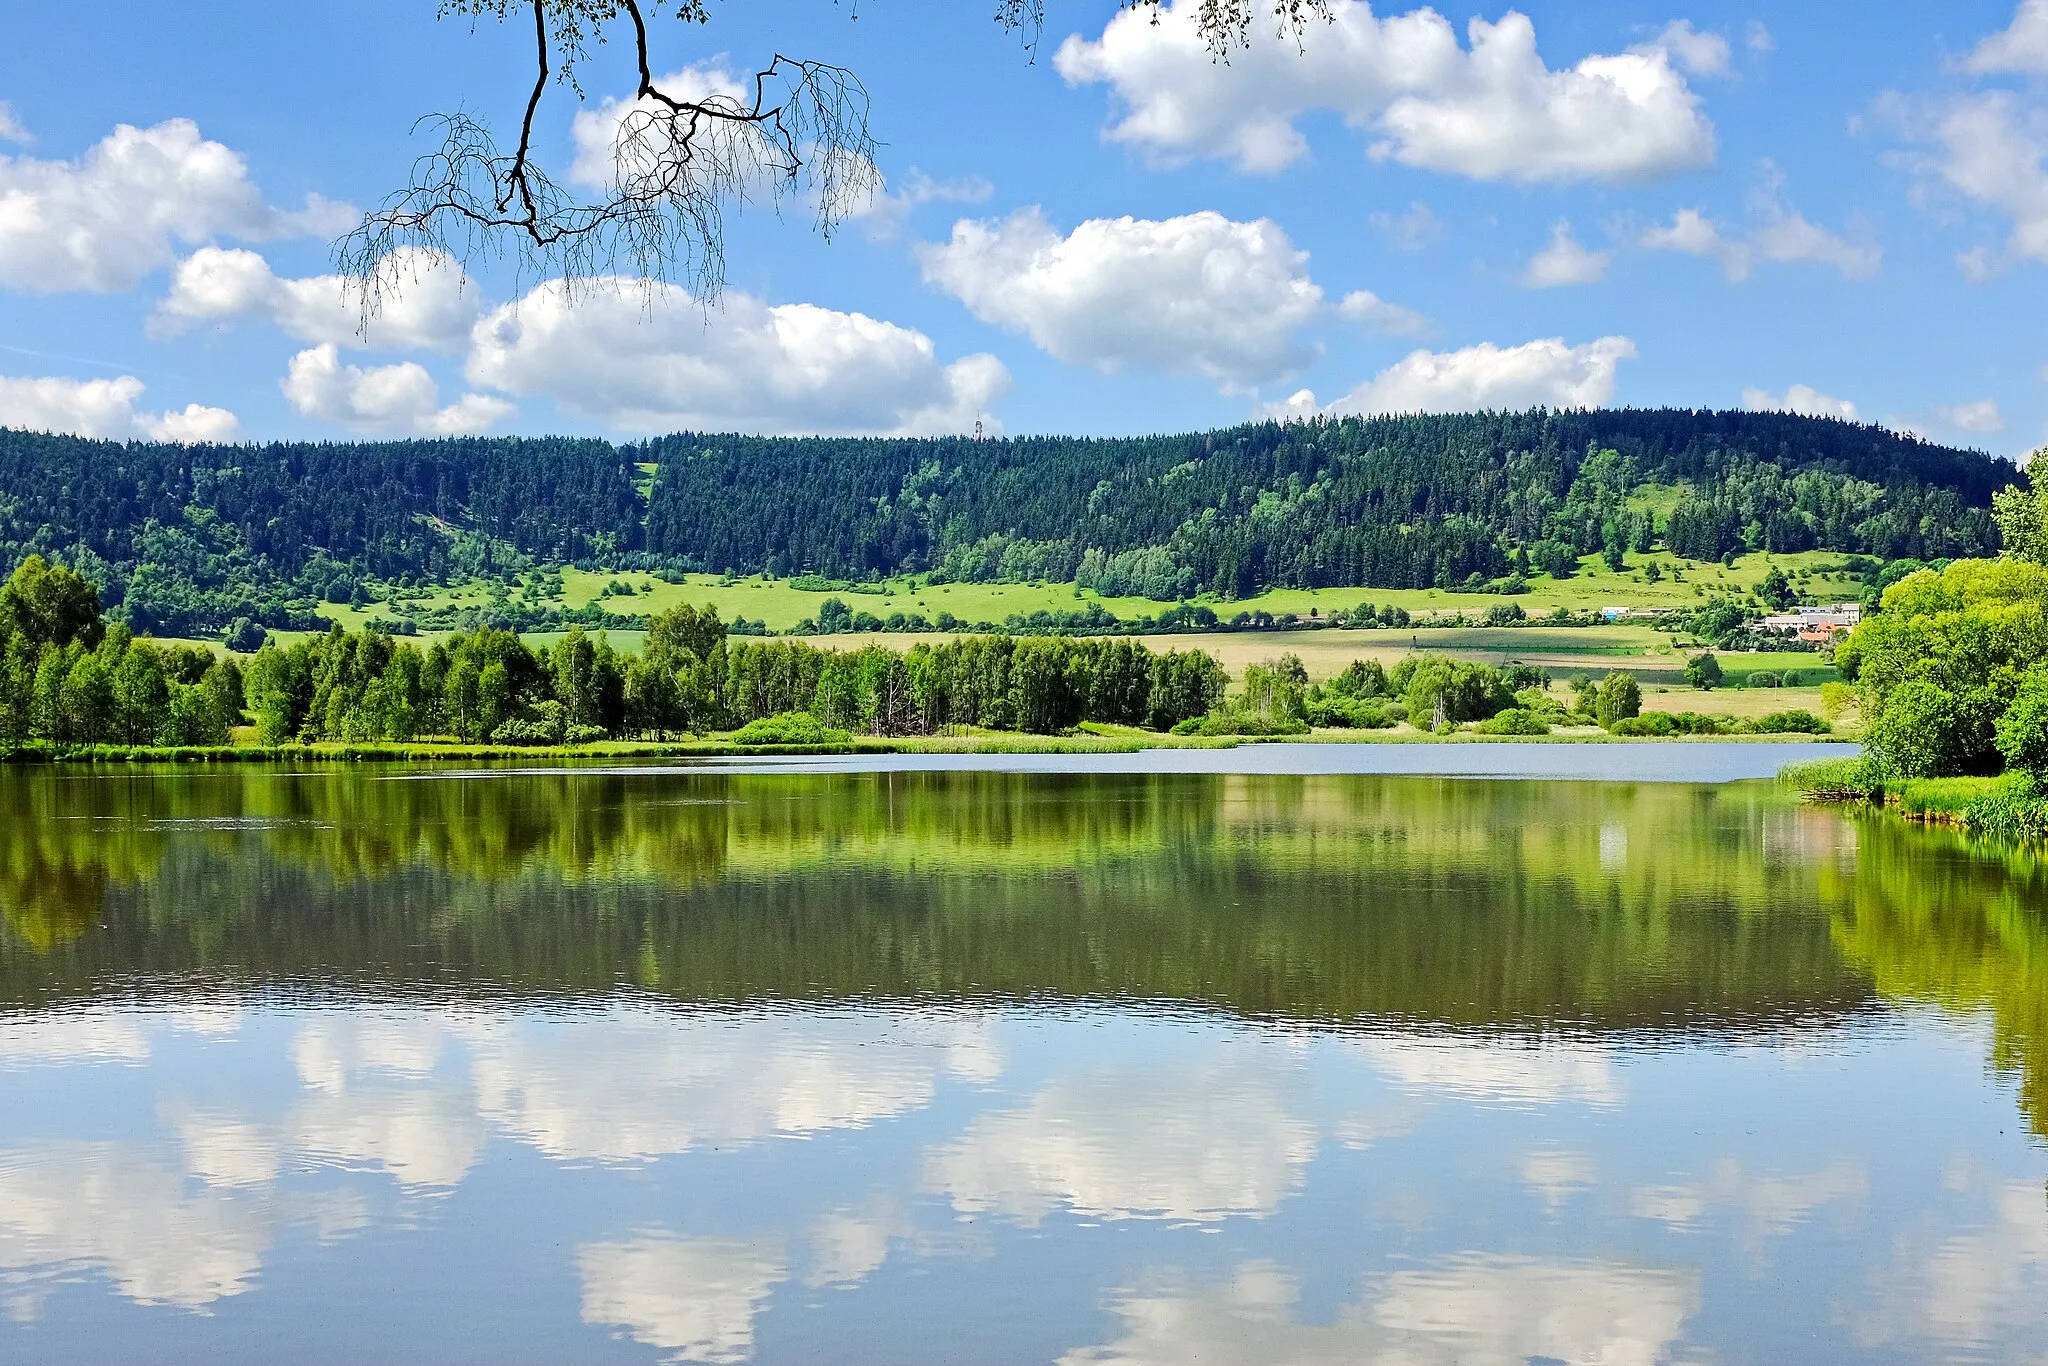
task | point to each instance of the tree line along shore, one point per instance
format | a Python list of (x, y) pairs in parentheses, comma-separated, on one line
[(71, 683)]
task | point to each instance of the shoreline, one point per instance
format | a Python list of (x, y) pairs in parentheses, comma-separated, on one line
[(1685, 760), (36, 754)]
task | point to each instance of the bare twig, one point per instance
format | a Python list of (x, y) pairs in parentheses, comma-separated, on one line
[(677, 162)]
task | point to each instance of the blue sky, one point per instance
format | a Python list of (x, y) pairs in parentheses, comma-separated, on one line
[(1833, 208)]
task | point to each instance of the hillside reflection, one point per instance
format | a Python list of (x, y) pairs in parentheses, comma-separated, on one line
[(1496, 905)]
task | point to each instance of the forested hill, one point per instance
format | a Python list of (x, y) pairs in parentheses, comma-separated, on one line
[(1386, 502), (189, 537)]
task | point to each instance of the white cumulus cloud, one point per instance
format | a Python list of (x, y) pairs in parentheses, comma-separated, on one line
[(106, 408), (2022, 46), (104, 221), (604, 136), (432, 303), (1545, 373), (1779, 235), (1412, 229), (631, 1085), (1199, 294), (114, 1207), (1463, 1310), (1978, 416), (695, 1297), (1190, 1145), (1989, 149), (883, 213), (1703, 54), (656, 359), (1368, 309), (11, 127), (1566, 261), (1491, 111), (400, 398), (1801, 399)]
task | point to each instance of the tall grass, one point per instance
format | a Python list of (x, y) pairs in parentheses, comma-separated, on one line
[(2014, 806)]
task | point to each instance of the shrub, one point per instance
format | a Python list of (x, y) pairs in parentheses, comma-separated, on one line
[(1834, 780), (1764, 678), (1790, 723), (1649, 723), (1703, 671), (788, 728), (245, 637), (1513, 721), (517, 732), (1348, 713), (1241, 723)]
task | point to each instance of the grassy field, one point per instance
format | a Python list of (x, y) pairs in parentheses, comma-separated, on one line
[(1656, 658), (1817, 575)]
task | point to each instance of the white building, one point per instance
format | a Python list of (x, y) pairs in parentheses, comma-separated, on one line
[(1839, 616)]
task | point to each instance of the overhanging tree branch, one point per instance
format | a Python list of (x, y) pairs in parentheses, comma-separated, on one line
[(797, 129)]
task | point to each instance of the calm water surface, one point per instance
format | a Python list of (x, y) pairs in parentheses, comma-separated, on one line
[(1230, 1068)]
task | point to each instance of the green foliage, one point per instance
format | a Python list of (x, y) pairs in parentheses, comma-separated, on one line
[(186, 539), (1361, 678), (244, 636), (1397, 502), (1620, 699), (1348, 713), (1703, 671), (2022, 516), (1442, 691), (489, 687), (192, 539), (1554, 558), (1796, 722), (1920, 731), (49, 605), (1775, 592), (1944, 660), (788, 728), (1660, 723), (1717, 619), (2014, 807), (2022, 731), (1184, 684), (1835, 779), (1514, 721)]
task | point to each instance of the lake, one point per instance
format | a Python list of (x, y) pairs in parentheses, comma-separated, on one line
[(928, 1064)]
